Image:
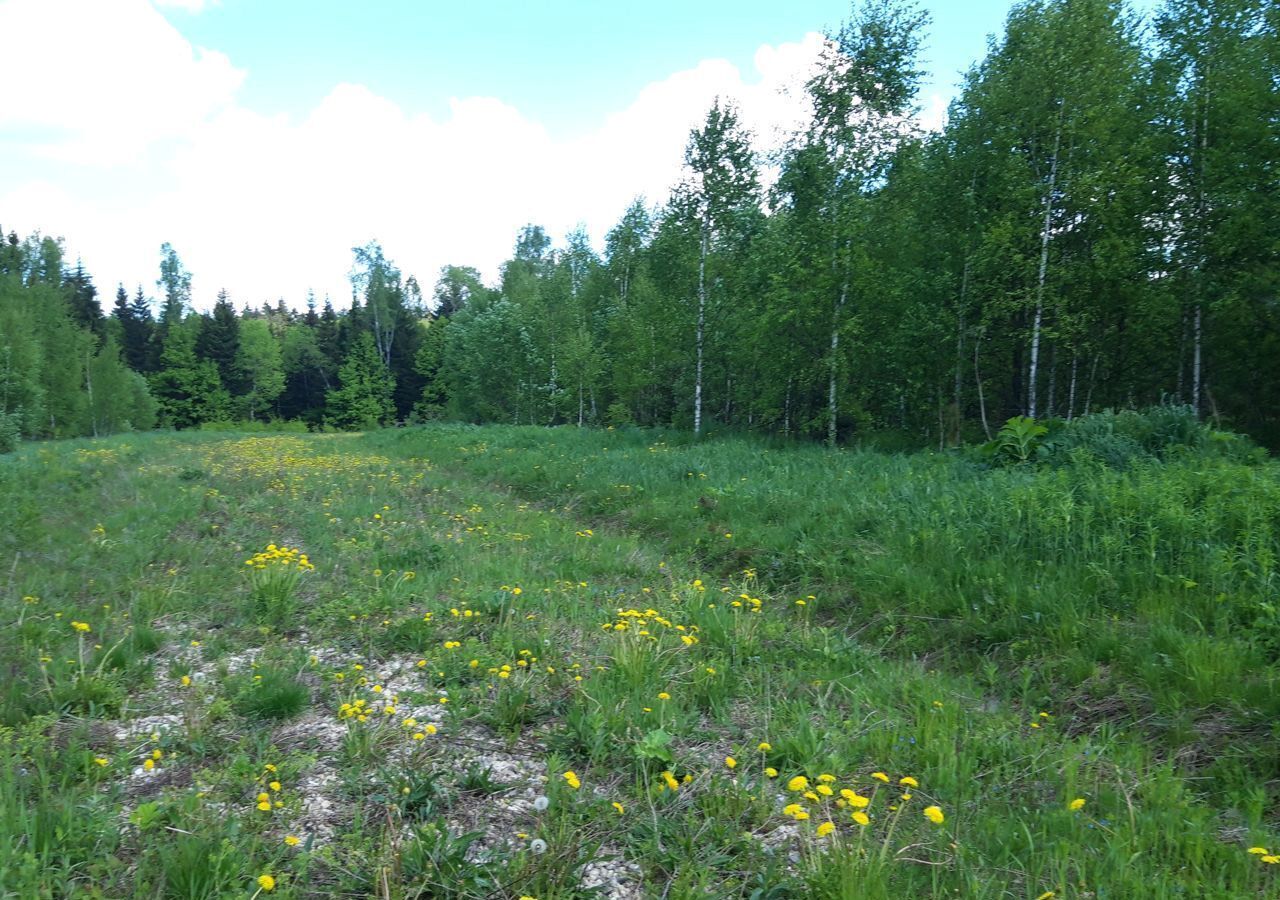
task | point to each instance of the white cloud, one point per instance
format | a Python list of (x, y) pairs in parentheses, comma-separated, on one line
[(114, 78), (191, 6), (267, 206)]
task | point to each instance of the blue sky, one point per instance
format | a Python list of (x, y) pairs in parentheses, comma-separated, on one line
[(567, 64), (265, 138)]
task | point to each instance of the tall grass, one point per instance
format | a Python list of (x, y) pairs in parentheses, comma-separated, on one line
[(1147, 593)]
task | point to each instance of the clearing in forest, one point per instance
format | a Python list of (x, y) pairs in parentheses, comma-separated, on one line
[(501, 662)]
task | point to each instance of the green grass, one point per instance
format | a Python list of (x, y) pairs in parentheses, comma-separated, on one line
[(1013, 639)]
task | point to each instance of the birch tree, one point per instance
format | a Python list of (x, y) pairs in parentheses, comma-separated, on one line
[(862, 97), (721, 180)]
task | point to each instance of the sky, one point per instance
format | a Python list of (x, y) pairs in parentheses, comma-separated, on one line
[(265, 138)]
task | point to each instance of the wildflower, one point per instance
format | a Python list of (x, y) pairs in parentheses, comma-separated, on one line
[(541, 803), (880, 776), (934, 814), (275, 785), (799, 783), (1047, 895), (730, 762), (148, 764), (826, 828), (419, 736), (538, 845), (266, 883), (571, 779), (663, 695), (670, 780), (291, 840), (1271, 859), (186, 681), (861, 818), (100, 760), (824, 790), (1259, 851), (791, 809), (80, 626), (764, 747), (802, 816), (1076, 804), (771, 772), (618, 806), (909, 781)]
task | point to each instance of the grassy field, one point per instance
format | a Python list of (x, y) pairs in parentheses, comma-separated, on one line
[(523, 663)]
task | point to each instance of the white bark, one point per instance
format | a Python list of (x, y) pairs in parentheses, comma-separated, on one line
[(1071, 393), (1044, 269), (832, 405), (702, 322), (977, 377)]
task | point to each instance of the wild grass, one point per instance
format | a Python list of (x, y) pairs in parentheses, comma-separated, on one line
[(636, 611)]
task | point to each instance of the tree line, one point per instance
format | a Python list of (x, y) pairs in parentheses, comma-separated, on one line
[(1095, 226)]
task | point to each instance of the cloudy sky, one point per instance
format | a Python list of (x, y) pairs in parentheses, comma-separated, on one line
[(265, 138)]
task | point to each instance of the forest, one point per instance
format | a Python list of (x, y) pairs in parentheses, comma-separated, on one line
[(1094, 227)]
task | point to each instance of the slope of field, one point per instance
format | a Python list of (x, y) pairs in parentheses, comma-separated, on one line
[(471, 663)]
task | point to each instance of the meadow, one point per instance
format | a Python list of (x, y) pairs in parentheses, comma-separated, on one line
[(501, 662)]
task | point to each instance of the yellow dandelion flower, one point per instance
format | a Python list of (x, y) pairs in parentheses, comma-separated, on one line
[(799, 783), (934, 815), (291, 840), (861, 818), (730, 762), (826, 828), (771, 772), (618, 806), (1259, 851), (663, 695), (764, 747), (909, 781), (880, 776), (266, 883), (1076, 804), (571, 779)]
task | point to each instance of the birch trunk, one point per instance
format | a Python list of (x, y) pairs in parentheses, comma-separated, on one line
[(702, 321), (977, 378), (1071, 392), (1044, 269), (832, 408)]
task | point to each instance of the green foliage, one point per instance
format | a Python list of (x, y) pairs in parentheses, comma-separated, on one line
[(1017, 440), (363, 401)]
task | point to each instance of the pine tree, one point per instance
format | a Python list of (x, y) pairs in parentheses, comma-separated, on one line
[(363, 399)]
